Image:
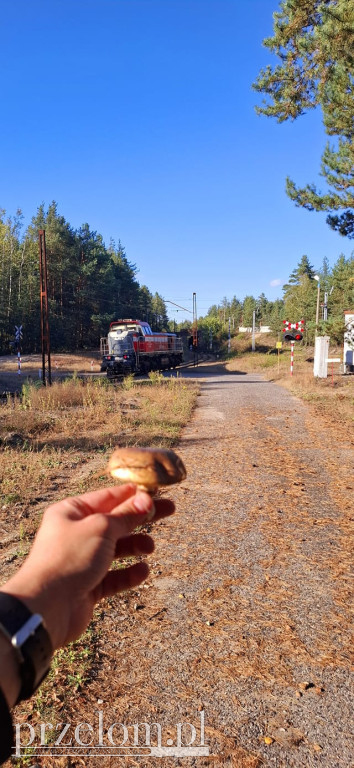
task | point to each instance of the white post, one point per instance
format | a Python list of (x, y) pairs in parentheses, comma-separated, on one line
[(316, 277), (321, 356), (254, 331), (292, 345)]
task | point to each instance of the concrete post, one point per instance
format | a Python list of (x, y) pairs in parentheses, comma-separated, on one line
[(321, 356)]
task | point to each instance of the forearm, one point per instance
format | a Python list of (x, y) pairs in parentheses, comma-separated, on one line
[(29, 587)]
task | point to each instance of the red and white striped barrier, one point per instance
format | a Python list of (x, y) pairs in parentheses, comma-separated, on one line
[(292, 345), (18, 363)]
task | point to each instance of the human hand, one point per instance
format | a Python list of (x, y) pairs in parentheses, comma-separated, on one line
[(67, 570)]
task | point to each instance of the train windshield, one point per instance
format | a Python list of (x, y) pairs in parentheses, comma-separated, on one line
[(122, 346), (123, 327)]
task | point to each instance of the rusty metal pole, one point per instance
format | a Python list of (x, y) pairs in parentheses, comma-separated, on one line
[(45, 337), (195, 329)]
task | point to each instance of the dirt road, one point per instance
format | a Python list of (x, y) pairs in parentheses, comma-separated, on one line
[(244, 621), (246, 614)]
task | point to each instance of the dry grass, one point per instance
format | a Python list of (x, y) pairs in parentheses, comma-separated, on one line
[(80, 362), (48, 433), (54, 442)]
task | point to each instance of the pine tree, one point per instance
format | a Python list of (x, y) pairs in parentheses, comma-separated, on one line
[(342, 283), (262, 309), (61, 251), (276, 315), (249, 306), (159, 313), (300, 294), (12, 256), (146, 303), (125, 288), (303, 268), (235, 311), (325, 274), (314, 40)]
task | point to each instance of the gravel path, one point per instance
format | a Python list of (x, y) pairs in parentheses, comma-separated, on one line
[(264, 535), (245, 615)]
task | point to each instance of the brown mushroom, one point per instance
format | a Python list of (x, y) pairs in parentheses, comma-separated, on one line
[(149, 468)]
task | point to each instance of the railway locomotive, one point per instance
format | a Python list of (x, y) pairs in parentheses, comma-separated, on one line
[(132, 347)]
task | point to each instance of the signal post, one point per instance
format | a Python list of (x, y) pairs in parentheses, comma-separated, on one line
[(293, 332)]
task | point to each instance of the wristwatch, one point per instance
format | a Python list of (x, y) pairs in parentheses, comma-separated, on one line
[(28, 636)]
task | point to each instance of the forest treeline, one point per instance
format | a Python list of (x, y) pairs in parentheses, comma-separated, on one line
[(299, 302), (90, 284)]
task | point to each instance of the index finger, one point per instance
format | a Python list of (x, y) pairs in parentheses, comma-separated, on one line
[(102, 501), (138, 511)]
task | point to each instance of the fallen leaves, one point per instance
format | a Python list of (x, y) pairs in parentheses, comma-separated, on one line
[(268, 740)]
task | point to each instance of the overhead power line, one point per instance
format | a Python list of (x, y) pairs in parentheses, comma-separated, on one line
[(167, 301)]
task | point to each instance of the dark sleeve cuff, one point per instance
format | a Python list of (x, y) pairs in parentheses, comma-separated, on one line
[(6, 730)]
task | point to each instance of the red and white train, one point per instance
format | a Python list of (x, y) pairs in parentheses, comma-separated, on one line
[(132, 347)]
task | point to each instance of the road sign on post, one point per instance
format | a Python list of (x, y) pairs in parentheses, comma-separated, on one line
[(18, 333), (17, 345)]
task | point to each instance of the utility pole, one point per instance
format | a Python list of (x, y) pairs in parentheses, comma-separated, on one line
[(45, 338), (195, 329), (316, 277), (325, 306)]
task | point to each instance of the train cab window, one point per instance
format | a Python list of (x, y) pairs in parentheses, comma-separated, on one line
[(123, 327)]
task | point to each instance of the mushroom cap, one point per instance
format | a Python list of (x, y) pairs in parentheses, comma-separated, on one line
[(147, 467)]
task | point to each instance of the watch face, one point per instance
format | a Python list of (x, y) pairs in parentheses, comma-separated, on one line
[(27, 629)]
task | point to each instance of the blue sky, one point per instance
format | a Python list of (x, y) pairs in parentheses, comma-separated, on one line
[(137, 116)]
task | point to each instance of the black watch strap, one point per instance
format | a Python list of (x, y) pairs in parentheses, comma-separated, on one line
[(30, 640)]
